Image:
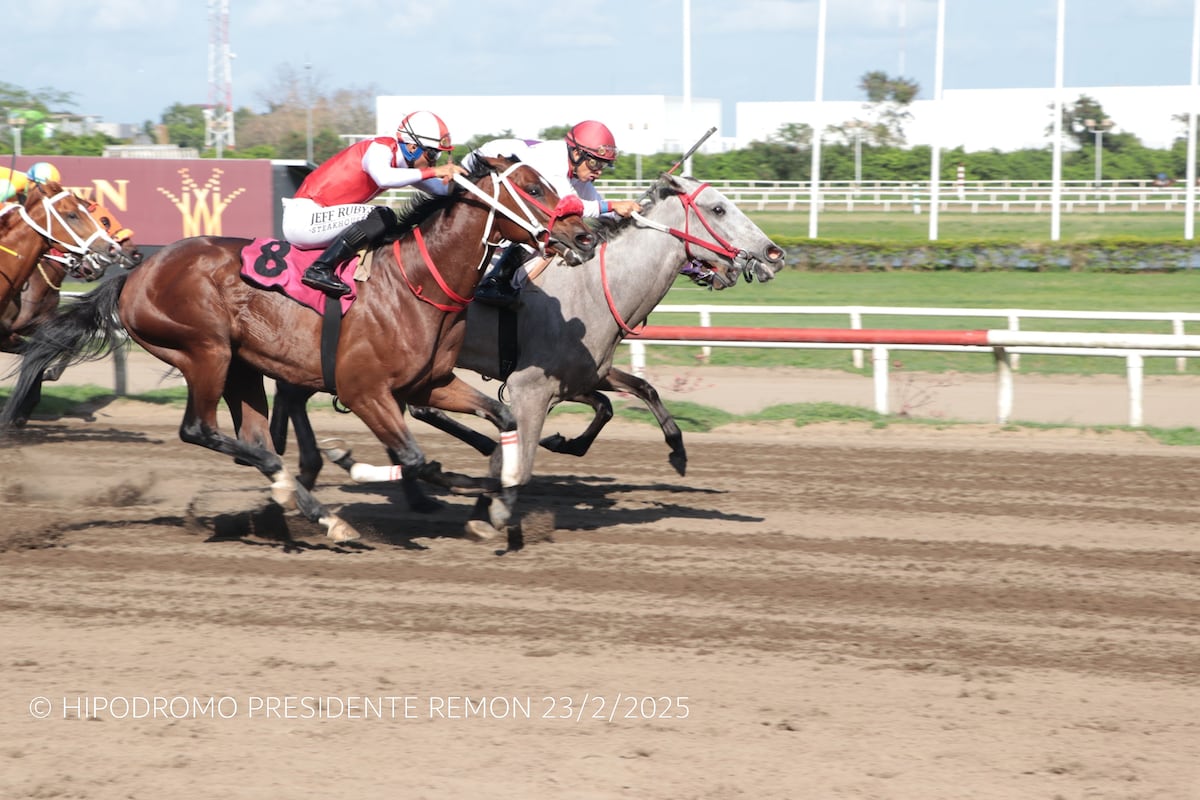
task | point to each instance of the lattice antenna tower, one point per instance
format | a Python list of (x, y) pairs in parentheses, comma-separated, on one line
[(218, 116)]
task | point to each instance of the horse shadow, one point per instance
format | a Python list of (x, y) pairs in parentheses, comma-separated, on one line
[(54, 434), (548, 504)]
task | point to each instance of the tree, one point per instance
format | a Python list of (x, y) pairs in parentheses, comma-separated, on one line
[(554, 132), (887, 105), (1074, 120), (185, 125)]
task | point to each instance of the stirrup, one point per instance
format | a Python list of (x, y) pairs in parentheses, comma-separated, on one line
[(327, 282), (498, 298)]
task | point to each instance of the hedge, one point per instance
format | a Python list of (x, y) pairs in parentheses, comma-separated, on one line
[(1109, 255)]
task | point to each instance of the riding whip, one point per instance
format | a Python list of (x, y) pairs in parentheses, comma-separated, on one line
[(699, 143)]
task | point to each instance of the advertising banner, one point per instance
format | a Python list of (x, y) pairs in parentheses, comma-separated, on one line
[(164, 200)]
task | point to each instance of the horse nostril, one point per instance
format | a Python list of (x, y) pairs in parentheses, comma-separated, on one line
[(585, 240), (774, 253)]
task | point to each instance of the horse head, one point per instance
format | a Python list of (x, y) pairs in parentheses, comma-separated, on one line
[(62, 219), (532, 212), (721, 242)]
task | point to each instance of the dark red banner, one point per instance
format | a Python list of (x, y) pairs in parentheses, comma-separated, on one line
[(163, 200)]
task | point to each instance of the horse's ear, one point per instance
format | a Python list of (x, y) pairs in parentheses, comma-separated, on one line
[(669, 184)]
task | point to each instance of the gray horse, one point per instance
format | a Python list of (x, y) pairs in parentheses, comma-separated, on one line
[(571, 320)]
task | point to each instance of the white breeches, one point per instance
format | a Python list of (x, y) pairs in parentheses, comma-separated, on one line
[(308, 225)]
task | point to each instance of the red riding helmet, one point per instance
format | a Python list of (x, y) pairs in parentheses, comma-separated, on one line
[(593, 138)]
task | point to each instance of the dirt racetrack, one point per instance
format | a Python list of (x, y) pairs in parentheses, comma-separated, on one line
[(827, 612)]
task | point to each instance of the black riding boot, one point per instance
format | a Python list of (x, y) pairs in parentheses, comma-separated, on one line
[(366, 231), (497, 288), (321, 274)]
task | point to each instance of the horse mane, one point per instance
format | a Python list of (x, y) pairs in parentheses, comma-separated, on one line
[(35, 191), (422, 205), (608, 228)]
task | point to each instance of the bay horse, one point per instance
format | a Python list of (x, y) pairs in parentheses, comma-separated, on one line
[(570, 322), (189, 306)]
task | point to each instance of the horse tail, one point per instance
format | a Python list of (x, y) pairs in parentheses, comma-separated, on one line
[(85, 330)]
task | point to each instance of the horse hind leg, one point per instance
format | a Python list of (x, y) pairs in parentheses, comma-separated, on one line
[(199, 427), (579, 445), (291, 405)]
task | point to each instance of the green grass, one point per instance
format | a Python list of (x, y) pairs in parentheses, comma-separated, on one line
[(60, 401)]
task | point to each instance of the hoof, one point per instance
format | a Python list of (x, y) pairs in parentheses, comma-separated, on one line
[(479, 530), (679, 462), (338, 530), (334, 449)]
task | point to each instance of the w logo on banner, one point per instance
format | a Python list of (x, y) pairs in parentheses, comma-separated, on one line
[(201, 206)]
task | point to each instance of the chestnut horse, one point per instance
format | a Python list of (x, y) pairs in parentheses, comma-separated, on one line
[(39, 298), (189, 306), (50, 216)]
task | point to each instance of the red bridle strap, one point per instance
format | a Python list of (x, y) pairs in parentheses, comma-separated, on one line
[(567, 206), (722, 247), (418, 290), (612, 306)]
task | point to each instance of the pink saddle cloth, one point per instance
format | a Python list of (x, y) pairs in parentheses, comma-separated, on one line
[(275, 264)]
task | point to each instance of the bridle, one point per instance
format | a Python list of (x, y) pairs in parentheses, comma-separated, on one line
[(720, 246), (529, 222), (78, 245)]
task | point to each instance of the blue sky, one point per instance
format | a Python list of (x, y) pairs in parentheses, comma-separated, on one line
[(128, 64)]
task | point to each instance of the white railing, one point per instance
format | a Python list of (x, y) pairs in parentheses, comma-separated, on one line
[(964, 196), (1006, 357)]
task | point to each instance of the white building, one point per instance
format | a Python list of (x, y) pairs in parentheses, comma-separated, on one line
[(641, 123), (985, 119)]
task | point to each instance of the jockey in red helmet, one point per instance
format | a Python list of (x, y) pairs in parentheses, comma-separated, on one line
[(571, 166), (331, 208)]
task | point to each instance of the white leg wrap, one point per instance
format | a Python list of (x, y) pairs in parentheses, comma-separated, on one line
[(283, 489), (366, 473), (510, 458)]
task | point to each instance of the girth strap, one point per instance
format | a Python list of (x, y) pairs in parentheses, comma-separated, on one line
[(331, 328), (508, 347)]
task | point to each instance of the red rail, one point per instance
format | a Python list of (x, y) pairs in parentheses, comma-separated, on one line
[(687, 333)]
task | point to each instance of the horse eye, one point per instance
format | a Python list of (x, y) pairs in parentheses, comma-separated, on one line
[(719, 210), (535, 190)]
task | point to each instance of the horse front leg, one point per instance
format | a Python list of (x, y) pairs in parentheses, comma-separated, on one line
[(383, 414), (529, 407), (621, 381), (493, 511)]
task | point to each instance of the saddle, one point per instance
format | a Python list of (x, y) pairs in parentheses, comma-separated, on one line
[(277, 265)]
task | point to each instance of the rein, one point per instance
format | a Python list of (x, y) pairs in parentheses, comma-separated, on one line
[(42, 271), (612, 306), (418, 290), (528, 223), (722, 247)]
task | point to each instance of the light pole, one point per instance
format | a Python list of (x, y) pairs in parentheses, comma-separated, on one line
[(855, 127), (1098, 129), (308, 113), (15, 123)]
